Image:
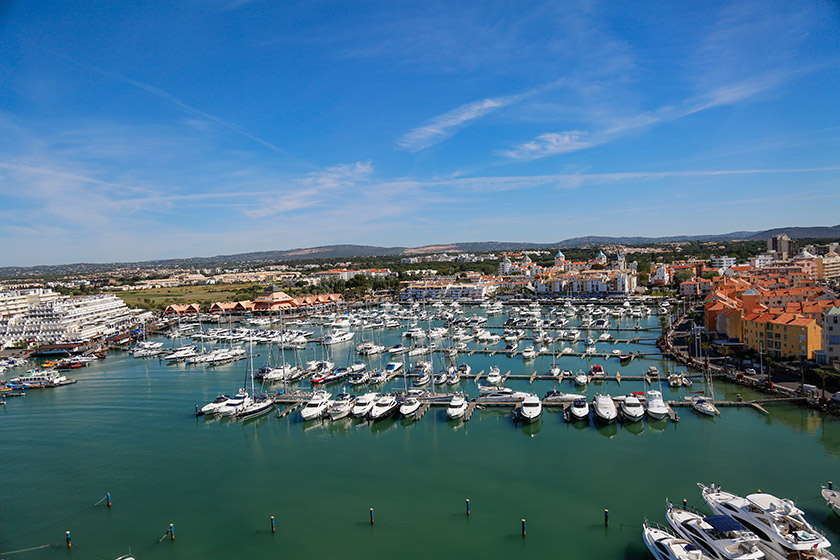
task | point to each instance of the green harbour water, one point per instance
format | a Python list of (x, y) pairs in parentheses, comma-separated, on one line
[(127, 427)]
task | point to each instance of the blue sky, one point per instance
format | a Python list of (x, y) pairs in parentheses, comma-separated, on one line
[(142, 130)]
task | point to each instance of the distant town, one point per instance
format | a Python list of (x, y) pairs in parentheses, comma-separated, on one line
[(778, 297)]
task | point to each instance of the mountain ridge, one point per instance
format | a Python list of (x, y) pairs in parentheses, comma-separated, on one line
[(348, 251)]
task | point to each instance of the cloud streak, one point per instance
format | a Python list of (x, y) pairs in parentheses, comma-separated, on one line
[(443, 126)]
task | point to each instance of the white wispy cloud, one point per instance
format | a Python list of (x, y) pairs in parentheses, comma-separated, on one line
[(549, 144), (443, 126), (553, 143)]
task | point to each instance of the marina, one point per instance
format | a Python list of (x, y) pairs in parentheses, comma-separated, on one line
[(128, 427)]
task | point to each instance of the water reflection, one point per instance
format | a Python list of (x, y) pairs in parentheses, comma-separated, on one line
[(533, 428), (635, 428), (609, 431)]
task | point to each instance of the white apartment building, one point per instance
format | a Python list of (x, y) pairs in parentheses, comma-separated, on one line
[(447, 290), (723, 261), (67, 320), (13, 302)]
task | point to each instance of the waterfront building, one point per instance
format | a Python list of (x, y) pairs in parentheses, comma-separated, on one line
[(830, 352), (783, 335), (70, 319), (14, 302), (182, 309), (448, 290)]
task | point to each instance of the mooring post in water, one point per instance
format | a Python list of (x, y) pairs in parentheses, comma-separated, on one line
[(468, 505), (273, 528), (523, 526), (171, 531), (830, 485), (108, 499), (196, 410), (685, 503), (67, 538), (606, 517), (371, 516)]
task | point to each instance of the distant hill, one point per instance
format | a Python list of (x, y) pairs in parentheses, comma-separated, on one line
[(819, 232), (351, 251)]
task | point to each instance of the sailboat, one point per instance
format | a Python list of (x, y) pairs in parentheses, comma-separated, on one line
[(705, 404), (252, 406)]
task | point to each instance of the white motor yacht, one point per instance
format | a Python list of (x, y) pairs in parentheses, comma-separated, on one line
[(494, 376), (579, 410), (231, 407), (383, 407), (337, 337), (359, 378), (665, 545), (457, 406), (411, 403), (499, 394), (531, 409), (378, 377), (341, 406), (316, 406), (581, 379), (720, 536), (780, 525), (604, 407), (529, 353), (364, 404), (632, 409), (216, 406), (655, 406)]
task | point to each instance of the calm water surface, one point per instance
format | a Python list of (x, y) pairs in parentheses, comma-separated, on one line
[(127, 427)]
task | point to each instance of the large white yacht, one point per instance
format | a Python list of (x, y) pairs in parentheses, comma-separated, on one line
[(383, 407), (341, 406), (531, 409), (655, 405), (720, 536), (364, 404), (457, 406), (780, 525), (316, 406), (337, 337), (665, 545), (494, 376), (604, 407)]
